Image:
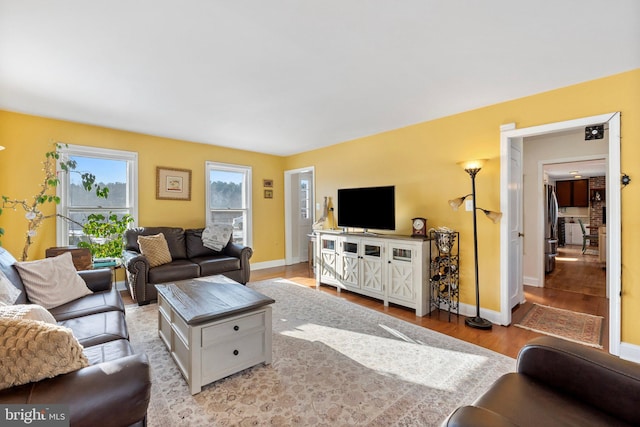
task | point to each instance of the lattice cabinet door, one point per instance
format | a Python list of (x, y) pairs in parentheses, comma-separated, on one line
[(401, 270), (328, 259), (350, 264), (372, 267)]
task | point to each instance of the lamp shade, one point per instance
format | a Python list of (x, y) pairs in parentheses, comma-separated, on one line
[(493, 216), (473, 164), (455, 203)]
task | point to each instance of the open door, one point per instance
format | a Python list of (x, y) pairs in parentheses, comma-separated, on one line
[(515, 223), (299, 213)]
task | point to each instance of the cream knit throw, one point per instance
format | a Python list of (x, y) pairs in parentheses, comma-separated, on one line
[(31, 350)]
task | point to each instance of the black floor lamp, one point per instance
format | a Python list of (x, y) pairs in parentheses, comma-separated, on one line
[(472, 168)]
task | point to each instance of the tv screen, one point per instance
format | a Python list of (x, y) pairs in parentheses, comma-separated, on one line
[(368, 208)]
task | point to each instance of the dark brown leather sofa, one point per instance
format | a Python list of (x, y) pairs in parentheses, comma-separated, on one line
[(115, 389), (190, 258), (558, 383)]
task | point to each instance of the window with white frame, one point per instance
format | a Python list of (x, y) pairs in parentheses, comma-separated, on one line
[(115, 169), (229, 198), (305, 198)]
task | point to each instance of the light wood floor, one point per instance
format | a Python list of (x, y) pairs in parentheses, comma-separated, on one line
[(505, 340)]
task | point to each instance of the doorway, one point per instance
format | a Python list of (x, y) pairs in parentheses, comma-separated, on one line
[(299, 190), (579, 264), (511, 204)]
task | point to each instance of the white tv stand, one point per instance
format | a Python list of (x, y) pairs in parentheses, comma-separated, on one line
[(391, 268)]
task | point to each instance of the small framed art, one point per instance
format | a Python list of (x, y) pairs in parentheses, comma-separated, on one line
[(268, 183), (268, 194), (173, 184)]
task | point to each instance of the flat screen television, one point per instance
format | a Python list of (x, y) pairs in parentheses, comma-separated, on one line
[(368, 208)]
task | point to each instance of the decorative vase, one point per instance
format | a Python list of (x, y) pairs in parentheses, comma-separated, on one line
[(445, 241)]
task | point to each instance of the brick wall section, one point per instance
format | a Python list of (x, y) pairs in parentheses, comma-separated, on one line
[(596, 184)]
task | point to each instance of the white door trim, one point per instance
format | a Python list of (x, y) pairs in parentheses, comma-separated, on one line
[(614, 267), (288, 228)]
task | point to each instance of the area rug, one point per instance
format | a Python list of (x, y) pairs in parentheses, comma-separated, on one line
[(573, 326), (335, 363)]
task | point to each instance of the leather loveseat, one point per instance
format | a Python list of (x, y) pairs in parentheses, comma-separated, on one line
[(558, 383), (189, 259), (115, 388)]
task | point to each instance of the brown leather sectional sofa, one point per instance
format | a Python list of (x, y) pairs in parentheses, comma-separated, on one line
[(558, 383), (116, 386), (190, 258)]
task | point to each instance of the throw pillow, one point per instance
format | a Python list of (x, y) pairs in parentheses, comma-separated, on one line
[(216, 236), (31, 351), (8, 293), (26, 312), (51, 282), (155, 249)]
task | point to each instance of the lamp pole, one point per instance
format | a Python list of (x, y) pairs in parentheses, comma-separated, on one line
[(476, 322)]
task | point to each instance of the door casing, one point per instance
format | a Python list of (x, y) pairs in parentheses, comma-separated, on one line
[(509, 132)]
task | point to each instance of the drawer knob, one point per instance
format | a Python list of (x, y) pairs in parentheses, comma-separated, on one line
[(236, 328), (236, 352)]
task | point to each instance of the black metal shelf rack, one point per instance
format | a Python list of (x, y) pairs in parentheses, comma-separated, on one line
[(444, 272)]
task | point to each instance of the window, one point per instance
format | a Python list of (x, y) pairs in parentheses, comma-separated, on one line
[(305, 199), (114, 169), (229, 198)]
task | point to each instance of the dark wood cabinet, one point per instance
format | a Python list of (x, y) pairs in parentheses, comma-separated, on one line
[(573, 193), (563, 193)]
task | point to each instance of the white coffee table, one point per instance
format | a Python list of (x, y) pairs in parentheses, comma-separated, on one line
[(214, 327)]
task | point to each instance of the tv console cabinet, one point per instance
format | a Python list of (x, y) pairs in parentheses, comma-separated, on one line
[(391, 268)]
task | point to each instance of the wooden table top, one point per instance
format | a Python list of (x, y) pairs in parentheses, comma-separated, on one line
[(209, 298)]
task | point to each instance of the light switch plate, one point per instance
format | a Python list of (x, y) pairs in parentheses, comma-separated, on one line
[(468, 205)]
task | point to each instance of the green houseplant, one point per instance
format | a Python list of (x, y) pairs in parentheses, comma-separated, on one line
[(47, 194), (105, 234)]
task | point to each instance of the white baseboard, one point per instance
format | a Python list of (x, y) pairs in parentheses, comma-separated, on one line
[(267, 264), (630, 352), (531, 281), (468, 310)]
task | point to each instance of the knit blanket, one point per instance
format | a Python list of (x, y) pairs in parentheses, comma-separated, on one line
[(32, 350)]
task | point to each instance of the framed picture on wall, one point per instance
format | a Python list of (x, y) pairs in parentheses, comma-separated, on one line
[(267, 183), (268, 194), (173, 184)]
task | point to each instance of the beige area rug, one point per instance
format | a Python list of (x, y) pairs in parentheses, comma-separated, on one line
[(573, 326), (334, 364)]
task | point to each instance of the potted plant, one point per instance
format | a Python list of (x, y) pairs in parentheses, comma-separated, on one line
[(105, 234)]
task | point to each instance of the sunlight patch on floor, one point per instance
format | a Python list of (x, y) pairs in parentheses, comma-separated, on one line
[(401, 357), (559, 258)]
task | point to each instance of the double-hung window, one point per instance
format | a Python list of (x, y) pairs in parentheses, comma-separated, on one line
[(228, 198), (115, 169)]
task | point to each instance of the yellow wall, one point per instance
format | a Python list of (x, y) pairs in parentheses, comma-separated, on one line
[(420, 160), (27, 138)]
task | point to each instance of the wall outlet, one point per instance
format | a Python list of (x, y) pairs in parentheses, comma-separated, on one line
[(468, 205)]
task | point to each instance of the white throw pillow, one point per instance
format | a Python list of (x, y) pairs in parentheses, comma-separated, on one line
[(51, 282), (26, 312), (216, 236), (8, 293)]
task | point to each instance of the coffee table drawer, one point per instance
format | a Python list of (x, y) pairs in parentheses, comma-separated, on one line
[(235, 327), (230, 356)]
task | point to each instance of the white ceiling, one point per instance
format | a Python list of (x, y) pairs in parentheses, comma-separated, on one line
[(582, 169), (287, 76)]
